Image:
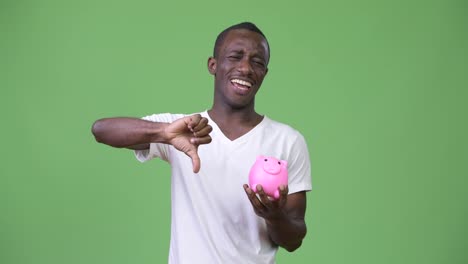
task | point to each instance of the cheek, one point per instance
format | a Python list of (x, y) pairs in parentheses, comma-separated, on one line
[(260, 75), (228, 66), (260, 71)]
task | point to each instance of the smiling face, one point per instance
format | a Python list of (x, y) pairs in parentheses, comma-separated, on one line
[(239, 68)]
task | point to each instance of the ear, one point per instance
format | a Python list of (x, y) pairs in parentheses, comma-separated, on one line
[(212, 65), (285, 163)]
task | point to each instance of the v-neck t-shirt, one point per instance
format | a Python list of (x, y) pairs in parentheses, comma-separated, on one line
[(212, 220)]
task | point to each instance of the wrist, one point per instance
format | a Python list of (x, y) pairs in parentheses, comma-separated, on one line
[(276, 219), (157, 133)]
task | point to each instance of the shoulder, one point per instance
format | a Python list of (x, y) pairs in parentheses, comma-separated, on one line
[(279, 127)]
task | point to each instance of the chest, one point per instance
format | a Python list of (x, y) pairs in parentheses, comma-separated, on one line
[(234, 131)]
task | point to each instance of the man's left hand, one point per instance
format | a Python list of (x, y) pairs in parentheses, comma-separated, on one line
[(263, 205)]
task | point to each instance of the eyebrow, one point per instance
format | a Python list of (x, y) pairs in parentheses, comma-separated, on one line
[(236, 51), (240, 51)]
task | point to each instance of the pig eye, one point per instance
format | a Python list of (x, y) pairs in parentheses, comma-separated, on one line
[(266, 159), (279, 163)]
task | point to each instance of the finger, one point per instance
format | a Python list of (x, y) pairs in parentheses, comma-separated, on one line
[(247, 190), (250, 193), (203, 132), (192, 121), (200, 141), (258, 206), (283, 195), (263, 196), (201, 124), (195, 160)]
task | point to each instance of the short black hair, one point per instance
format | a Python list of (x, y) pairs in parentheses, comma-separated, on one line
[(244, 25)]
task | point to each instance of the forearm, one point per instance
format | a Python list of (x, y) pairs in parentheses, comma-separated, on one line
[(287, 232), (121, 132)]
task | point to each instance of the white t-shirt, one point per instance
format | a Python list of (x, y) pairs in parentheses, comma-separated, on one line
[(212, 220)]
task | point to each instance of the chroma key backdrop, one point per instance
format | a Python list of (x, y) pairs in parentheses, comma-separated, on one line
[(377, 88)]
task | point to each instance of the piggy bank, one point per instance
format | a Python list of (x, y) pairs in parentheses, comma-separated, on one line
[(270, 173)]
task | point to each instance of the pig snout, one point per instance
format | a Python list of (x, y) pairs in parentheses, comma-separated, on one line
[(272, 166)]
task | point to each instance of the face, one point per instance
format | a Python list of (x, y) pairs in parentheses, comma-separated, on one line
[(239, 68)]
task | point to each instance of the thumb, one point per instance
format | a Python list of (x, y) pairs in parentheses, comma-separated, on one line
[(195, 159)]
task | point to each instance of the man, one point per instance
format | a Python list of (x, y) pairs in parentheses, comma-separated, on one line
[(216, 216)]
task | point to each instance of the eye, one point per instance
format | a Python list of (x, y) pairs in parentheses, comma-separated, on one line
[(234, 57), (279, 163), (259, 63), (266, 159)]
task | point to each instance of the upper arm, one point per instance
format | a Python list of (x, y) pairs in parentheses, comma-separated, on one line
[(296, 205)]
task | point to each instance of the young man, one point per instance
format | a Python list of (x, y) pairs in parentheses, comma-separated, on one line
[(216, 216)]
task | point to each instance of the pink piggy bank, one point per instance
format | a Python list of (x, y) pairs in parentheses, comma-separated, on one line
[(270, 173)]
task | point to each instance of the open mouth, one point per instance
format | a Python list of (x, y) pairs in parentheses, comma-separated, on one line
[(241, 85)]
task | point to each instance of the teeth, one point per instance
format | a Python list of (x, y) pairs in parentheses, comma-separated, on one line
[(241, 82)]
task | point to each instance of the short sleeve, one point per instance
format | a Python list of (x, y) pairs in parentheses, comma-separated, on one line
[(299, 168), (157, 150)]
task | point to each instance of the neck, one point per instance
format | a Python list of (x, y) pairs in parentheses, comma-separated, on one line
[(241, 116)]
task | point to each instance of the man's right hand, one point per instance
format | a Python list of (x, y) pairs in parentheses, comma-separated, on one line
[(187, 133)]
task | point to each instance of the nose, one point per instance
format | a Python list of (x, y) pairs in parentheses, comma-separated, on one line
[(244, 67)]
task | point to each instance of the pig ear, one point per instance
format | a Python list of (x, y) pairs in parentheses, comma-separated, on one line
[(285, 162)]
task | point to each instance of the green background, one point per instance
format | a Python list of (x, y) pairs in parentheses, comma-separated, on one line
[(378, 89)]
